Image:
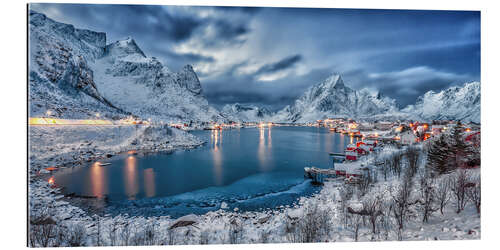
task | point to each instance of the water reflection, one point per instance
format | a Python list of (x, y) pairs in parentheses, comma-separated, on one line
[(217, 156), (263, 150), (131, 178), (269, 139), (98, 180), (149, 182), (341, 144), (328, 142)]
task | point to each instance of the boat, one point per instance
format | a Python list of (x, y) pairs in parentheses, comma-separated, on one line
[(104, 164)]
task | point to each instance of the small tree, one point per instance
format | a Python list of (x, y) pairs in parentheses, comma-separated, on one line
[(474, 193), (459, 187), (443, 195), (437, 156), (427, 197), (412, 156), (401, 203)]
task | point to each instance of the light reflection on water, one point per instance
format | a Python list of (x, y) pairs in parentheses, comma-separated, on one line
[(131, 178), (217, 155), (270, 158), (98, 180), (149, 182)]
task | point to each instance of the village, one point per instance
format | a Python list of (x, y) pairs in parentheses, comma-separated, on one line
[(353, 163)]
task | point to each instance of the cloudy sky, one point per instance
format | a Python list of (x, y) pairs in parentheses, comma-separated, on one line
[(269, 56)]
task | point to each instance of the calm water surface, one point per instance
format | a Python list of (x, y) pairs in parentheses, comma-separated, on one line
[(248, 168)]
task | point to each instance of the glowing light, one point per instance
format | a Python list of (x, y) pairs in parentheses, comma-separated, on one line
[(97, 115), (56, 121), (49, 112), (51, 181)]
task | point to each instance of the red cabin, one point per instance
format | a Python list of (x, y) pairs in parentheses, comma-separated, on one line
[(351, 147), (361, 151), (351, 155)]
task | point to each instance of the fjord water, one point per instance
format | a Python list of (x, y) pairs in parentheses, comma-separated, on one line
[(248, 168)]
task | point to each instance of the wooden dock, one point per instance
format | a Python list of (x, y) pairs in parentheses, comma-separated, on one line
[(337, 154), (318, 174)]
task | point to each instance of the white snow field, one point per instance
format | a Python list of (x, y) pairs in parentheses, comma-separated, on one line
[(59, 145)]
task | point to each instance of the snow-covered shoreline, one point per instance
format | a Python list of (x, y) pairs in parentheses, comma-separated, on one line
[(228, 226)]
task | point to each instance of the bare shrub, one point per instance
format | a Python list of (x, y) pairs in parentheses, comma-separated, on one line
[(235, 231), (443, 195), (112, 233), (125, 233), (346, 192), (365, 183), (76, 235), (150, 233), (356, 221), (474, 193), (395, 163), (314, 224), (427, 197), (412, 155), (42, 229), (459, 187), (401, 203)]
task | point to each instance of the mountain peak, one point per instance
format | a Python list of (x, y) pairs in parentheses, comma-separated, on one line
[(124, 47), (335, 81)]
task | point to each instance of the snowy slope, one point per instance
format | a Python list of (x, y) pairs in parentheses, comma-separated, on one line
[(143, 86), (60, 78), (332, 98), (74, 73), (245, 113), (455, 103)]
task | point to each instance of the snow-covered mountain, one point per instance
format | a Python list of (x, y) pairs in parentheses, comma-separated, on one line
[(60, 78), (332, 98), (143, 86), (246, 113), (455, 103), (73, 73)]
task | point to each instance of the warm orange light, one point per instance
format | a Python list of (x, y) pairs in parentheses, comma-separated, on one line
[(51, 181), (467, 130), (56, 121)]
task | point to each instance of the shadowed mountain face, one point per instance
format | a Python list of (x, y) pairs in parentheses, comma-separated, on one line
[(75, 73)]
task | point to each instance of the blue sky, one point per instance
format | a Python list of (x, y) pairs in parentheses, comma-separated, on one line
[(269, 56)]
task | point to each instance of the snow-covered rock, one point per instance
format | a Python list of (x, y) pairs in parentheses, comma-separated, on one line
[(60, 78), (246, 113), (143, 86), (75, 74), (332, 98), (455, 103)]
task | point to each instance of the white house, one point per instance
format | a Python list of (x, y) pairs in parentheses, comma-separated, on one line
[(408, 137)]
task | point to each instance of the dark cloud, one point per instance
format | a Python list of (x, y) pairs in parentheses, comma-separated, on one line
[(155, 28), (401, 53), (280, 65)]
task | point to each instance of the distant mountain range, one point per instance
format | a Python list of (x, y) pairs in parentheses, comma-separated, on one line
[(74, 73), (246, 113)]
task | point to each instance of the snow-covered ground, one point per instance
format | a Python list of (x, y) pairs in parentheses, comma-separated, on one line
[(72, 144), (319, 218)]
